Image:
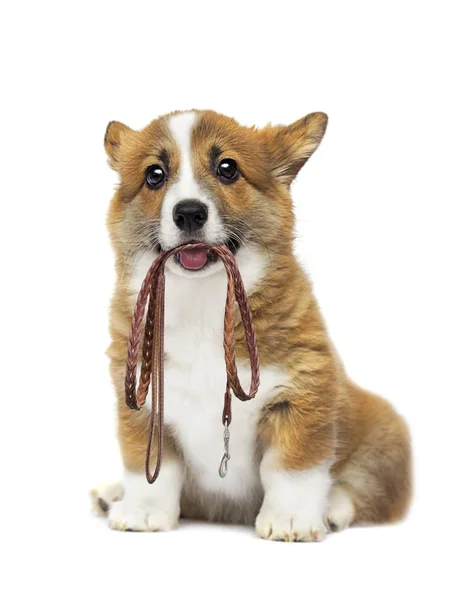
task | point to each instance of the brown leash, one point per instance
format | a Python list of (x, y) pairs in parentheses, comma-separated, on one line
[(152, 358)]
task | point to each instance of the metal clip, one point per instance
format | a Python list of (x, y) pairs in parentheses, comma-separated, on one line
[(226, 456)]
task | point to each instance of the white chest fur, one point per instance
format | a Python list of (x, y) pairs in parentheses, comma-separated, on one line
[(195, 379)]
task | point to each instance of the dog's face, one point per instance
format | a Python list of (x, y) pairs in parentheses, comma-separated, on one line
[(200, 176)]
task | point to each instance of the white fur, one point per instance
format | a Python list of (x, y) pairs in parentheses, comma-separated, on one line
[(294, 501), (186, 188), (147, 507), (107, 493)]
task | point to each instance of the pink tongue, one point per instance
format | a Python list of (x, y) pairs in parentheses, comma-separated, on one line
[(193, 259)]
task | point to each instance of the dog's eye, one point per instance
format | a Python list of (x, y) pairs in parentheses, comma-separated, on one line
[(227, 170), (155, 176)]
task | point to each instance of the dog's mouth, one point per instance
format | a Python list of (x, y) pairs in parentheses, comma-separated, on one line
[(198, 259)]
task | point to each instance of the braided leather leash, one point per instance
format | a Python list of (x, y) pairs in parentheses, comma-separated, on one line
[(152, 296)]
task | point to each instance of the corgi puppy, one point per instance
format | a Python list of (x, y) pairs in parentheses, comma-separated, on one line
[(312, 452)]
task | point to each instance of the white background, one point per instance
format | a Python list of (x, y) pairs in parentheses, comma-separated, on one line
[(373, 209)]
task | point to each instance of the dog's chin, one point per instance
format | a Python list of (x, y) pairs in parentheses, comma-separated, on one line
[(212, 265)]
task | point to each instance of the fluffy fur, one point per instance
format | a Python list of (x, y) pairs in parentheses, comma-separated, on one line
[(313, 452)]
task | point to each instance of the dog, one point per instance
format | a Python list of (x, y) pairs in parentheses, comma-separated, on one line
[(313, 452)]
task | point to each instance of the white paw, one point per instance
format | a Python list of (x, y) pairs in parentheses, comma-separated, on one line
[(126, 516), (340, 511), (275, 525), (103, 497)]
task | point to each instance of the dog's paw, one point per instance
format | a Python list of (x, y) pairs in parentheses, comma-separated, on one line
[(125, 516), (340, 510), (275, 525), (103, 497)]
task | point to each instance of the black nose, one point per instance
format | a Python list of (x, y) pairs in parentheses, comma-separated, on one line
[(190, 215)]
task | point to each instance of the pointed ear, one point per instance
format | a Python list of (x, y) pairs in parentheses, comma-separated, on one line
[(112, 142), (291, 146)]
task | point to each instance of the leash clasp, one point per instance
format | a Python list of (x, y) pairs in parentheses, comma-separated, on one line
[(223, 469)]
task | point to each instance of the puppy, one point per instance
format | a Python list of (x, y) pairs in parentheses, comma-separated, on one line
[(312, 452)]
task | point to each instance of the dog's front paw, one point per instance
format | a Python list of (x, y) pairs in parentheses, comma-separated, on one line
[(273, 524), (126, 516)]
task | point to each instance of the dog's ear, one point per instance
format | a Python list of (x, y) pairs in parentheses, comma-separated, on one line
[(291, 146), (112, 142)]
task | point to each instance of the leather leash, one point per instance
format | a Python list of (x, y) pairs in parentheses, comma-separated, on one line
[(152, 296)]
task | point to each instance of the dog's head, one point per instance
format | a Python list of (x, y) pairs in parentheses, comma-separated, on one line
[(200, 176)]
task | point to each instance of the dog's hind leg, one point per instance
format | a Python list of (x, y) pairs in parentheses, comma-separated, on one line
[(103, 496), (374, 484)]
